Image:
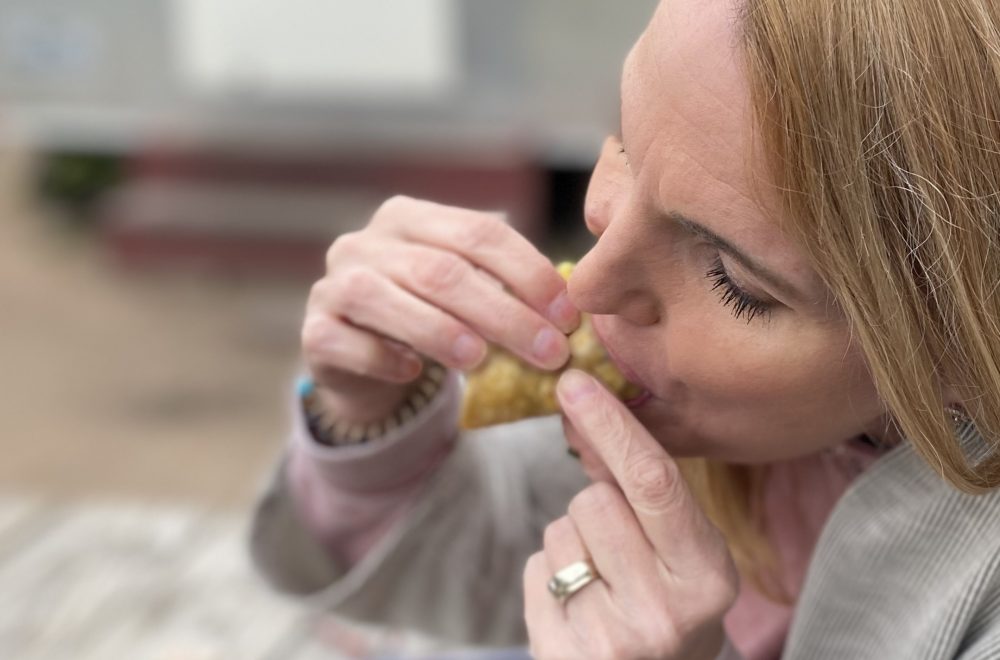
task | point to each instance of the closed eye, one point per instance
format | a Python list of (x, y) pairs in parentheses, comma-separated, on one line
[(743, 304)]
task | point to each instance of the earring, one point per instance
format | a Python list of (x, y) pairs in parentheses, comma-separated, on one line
[(959, 417)]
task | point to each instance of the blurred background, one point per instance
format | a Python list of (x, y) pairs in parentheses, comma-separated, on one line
[(171, 174)]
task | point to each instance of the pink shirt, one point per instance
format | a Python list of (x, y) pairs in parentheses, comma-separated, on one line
[(349, 504), (799, 496)]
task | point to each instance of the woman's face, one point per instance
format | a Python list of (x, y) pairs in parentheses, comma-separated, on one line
[(693, 288)]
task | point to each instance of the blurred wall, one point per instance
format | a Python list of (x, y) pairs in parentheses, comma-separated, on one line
[(84, 71), (108, 74)]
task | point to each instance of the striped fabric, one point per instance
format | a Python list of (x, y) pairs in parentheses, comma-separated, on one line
[(907, 567)]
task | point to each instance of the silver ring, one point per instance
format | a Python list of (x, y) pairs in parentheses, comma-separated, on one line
[(569, 580)]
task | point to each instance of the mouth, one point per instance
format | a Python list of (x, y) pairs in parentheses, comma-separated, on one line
[(637, 401), (645, 394)]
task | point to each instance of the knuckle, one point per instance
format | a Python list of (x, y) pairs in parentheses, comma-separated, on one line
[(358, 282), (355, 288), (441, 272), (344, 244), (656, 483), (556, 532), (722, 590), (314, 333), (391, 207), (483, 230), (596, 500), (318, 293), (534, 567)]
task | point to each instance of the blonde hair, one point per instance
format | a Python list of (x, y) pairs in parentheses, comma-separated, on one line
[(881, 122)]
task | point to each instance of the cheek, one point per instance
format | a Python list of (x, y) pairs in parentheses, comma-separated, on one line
[(779, 372)]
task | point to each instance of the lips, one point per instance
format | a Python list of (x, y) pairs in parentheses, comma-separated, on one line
[(626, 371), (637, 401)]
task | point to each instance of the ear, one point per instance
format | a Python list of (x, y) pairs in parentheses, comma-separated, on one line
[(954, 404)]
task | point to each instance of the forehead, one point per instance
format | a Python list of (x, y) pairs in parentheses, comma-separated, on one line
[(686, 65), (688, 125)]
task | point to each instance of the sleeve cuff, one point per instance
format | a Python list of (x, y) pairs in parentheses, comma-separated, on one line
[(368, 467)]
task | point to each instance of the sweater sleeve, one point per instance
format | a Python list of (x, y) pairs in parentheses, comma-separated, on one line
[(333, 503), (427, 531), (347, 497)]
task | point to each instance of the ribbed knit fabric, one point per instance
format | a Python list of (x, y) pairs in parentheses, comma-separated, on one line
[(907, 567)]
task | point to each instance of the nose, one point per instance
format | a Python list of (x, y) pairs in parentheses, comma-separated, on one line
[(611, 277), (607, 187), (610, 280)]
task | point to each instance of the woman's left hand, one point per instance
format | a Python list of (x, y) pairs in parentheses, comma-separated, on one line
[(666, 575)]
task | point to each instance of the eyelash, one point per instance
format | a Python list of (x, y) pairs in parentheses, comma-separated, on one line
[(742, 303)]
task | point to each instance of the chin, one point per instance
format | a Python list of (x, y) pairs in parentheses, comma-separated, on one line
[(680, 440), (676, 438)]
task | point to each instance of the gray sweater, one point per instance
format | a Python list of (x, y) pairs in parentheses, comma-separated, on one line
[(907, 567)]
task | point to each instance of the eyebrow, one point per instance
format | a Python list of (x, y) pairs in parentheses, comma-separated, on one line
[(723, 245)]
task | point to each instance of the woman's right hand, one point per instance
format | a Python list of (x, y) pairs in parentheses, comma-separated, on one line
[(426, 280)]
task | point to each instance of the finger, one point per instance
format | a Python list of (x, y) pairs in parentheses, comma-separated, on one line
[(489, 243), (647, 475), (562, 544), (563, 547), (330, 343), (448, 281), (592, 465), (372, 301), (617, 544), (548, 632)]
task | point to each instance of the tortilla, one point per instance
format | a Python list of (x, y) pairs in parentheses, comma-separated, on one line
[(505, 389)]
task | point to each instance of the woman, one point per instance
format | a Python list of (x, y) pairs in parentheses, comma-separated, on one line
[(797, 257)]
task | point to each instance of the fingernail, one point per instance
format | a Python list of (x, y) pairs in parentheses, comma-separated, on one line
[(549, 347), (575, 385), (467, 351), (410, 368), (563, 314)]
